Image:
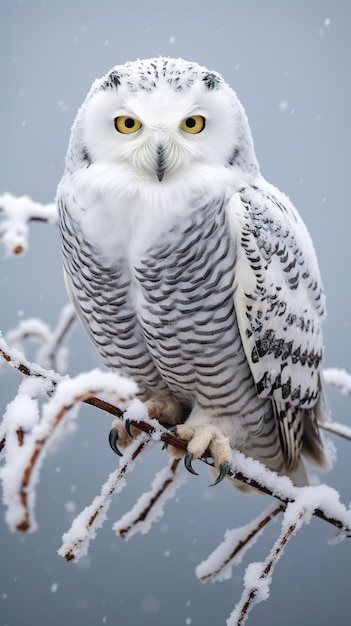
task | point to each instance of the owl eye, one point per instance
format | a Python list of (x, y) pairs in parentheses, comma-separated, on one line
[(125, 124), (193, 124)]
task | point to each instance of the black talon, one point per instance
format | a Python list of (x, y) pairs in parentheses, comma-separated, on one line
[(223, 472), (127, 427), (112, 439), (187, 462)]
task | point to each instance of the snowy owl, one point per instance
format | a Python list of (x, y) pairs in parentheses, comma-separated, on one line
[(189, 271)]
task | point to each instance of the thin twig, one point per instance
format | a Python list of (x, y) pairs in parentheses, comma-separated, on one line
[(25, 523), (154, 499), (73, 549), (337, 429), (21, 367), (253, 595), (252, 533)]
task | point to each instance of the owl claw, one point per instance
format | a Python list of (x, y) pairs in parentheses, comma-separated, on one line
[(127, 427), (112, 439), (187, 462), (223, 472)]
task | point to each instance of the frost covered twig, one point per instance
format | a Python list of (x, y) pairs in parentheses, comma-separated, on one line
[(337, 429), (83, 530), (17, 213), (20, 474), (18, 361), (150, 505), (339, 378), (51, 354), (258, 576), (218, 566)]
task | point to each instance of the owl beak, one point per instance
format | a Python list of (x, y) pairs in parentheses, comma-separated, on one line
[(160, 174), (160, 162)]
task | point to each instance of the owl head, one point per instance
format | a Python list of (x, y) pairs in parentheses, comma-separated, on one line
[(152, 123)]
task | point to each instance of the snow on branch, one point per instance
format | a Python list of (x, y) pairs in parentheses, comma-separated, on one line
[(339, 378), (150, 505), (27, 433), (258, 576), (52, 354), (86, 388), (85, 525), (16, 214), (218, 566), (16, 359)]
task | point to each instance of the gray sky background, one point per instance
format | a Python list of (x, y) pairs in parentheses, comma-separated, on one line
[(289, 62)]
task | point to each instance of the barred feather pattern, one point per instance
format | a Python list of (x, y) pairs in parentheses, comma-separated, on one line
[(101, 295), (170, 323), (285, 301)]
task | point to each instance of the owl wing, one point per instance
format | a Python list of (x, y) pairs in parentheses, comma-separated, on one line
[(280, 304)]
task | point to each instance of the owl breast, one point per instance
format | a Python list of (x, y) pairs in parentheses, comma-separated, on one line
[(167, 317), (186, 311)]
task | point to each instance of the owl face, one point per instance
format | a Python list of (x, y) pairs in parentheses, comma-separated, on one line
[(156, 122), (161, 135)]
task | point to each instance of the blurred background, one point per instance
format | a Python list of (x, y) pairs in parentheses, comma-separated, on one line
[(289, 62)]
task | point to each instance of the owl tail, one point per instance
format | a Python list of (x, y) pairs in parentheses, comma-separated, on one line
[(299, 475)]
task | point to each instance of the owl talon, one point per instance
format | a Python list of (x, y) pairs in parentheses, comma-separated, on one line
[(112, 439), (187, 462), (127, 427), (223, 472)]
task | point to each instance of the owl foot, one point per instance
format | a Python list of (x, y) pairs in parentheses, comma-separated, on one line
[(123, 434), (165, 409), (204, 438)]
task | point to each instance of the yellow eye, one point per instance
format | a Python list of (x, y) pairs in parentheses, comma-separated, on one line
[(193, 124), (125, 124)]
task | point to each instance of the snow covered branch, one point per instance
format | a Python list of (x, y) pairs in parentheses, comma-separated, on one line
[(87, 388), (16, 214), (39, 428), (258, 576), (52, 354), (150, 505), (85, 525), (218, 566)]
